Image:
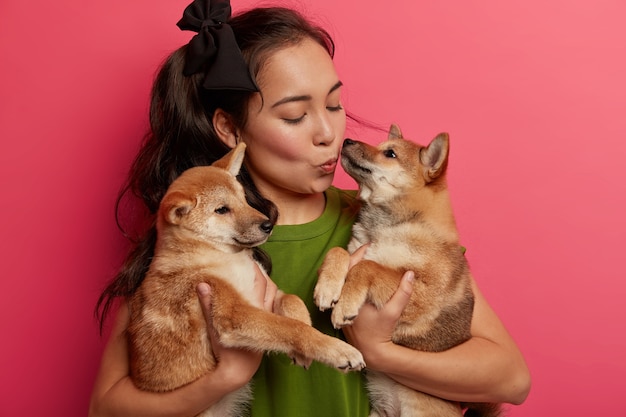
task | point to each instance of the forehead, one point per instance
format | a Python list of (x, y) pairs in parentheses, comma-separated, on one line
[(399, 144), (297, 69), (204, 179)]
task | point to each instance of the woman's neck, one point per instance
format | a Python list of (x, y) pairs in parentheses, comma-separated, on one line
[(299, 208)]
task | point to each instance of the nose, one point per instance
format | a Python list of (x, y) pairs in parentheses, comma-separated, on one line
[(325, 134), (348, 142), (267, 226)]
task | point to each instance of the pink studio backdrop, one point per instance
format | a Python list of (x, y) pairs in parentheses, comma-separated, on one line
[(533, 94)]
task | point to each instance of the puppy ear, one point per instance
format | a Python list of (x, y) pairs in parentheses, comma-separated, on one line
[(394, 132), (232, 161), (175, 206), (434, 157)]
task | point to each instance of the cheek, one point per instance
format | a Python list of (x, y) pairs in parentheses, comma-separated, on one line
[(340, 126), (275, 143)]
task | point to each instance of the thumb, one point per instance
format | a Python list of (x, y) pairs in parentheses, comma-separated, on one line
[(401, 297), (204, 294)]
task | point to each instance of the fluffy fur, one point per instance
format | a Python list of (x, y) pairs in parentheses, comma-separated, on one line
[(407, 218), (206, 231)]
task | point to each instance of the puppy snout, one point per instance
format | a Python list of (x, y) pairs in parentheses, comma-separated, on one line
[(348, 141), (267, 226)]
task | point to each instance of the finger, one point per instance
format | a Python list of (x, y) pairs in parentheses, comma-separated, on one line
[(204, 294), (260, 286), (261, 278), (358, 255), (270, 294), (396, 304)]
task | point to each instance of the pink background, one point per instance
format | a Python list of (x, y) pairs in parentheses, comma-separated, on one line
[(533, 94)]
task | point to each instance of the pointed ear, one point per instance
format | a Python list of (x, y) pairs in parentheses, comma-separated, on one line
[(225, 128), (176, 205), (394, 132), (434, 157), (233, 160)]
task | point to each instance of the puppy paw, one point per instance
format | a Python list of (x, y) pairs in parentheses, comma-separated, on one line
[(326, 296), (301, 360), (343, 314), (346, 358), (331, 277)]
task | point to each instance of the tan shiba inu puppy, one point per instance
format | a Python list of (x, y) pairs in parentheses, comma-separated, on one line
[(407, 218), (206, 231)]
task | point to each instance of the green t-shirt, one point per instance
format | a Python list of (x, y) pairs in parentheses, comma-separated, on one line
[(282, 389)]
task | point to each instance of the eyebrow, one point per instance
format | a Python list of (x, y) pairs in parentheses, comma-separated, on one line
[(305, 97)]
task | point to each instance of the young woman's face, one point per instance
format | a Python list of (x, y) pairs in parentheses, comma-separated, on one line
[(296, 125)]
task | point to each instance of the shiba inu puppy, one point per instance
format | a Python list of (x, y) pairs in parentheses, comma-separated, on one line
[(205, 232), (407, 219)]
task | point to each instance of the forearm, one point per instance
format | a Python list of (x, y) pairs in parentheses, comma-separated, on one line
[(487, 368), (114, 393), (475, 371), (124, 399)]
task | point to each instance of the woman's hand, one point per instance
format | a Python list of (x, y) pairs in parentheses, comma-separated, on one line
[(237, 366), (358, 255), (114, 393), (372, 329), (487, 368)]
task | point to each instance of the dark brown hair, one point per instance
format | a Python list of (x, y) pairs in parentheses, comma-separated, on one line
[(182, 135)]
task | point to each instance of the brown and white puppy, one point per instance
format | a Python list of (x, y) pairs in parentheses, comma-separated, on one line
[(206, 232), (407, 219)]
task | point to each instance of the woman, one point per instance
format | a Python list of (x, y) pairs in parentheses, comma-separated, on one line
[(266, 78)]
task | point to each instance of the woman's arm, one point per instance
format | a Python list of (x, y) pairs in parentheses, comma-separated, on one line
[(114, 393), (487, 368)]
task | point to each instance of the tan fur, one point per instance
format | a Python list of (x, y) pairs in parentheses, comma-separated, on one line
[(407, 218), (205, 234)]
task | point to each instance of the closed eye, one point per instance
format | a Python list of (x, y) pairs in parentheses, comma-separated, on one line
[(294, 121), (222, 210), (389, 153)]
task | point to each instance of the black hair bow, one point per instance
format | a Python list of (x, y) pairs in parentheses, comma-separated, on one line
[(214, 48)]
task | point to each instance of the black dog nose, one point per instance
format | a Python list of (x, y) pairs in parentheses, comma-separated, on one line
[(267, 226), (348, 141)]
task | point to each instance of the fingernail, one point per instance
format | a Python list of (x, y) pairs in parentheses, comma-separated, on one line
[(410, 276)]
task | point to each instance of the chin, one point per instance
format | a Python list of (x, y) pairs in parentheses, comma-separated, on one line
[(323, 184)]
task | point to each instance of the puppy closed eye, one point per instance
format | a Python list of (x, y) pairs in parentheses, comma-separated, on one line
[(222, 210)]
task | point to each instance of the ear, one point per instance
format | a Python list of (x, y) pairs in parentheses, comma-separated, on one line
[(434, 157), (233, 160), (225, 128), (394, 132), (176, 205)]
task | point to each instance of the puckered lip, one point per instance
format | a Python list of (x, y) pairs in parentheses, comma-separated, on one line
[(329, 165), (330, 161)]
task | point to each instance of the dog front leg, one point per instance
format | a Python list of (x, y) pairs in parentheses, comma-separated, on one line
[(331, 277), (292, 306), (261, 330), (367, 281), (241, 325)]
